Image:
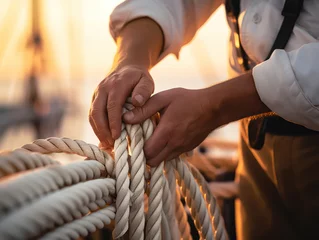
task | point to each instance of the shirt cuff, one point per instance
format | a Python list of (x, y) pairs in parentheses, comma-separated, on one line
[(157, 11), (279, 89)]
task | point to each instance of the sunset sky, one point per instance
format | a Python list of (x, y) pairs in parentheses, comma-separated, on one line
[(79, 50)]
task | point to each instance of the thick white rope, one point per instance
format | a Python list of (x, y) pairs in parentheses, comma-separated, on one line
[(194, 199), (218, 223), (56, 208), (171, 181), (122, 185), (137, 186), (17, 161), (66, 145), (72, 200), (82, 227), (33, 185)]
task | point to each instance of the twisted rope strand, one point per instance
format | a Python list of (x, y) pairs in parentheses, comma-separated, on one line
[(171, 180), (153, 216), (137, 186), (19, 161), (37, 184), (66, 145), (82, 227), (194, 199), (72, 200), (218, 223), (58, 207), (122, 185)]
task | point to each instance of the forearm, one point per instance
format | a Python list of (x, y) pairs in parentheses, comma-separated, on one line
[(139, 43), (237, 98)]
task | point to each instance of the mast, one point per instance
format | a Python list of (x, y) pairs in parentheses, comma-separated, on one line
[(35, 44)]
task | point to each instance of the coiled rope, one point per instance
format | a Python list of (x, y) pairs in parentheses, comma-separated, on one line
[(41, 198)]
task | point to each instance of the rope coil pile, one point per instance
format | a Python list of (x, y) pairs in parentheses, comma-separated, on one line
[(42, 198)]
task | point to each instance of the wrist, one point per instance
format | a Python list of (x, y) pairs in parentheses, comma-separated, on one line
[(139, 43), (124, 60), (235, 99)]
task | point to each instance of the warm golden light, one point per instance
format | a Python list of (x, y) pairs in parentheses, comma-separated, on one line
[(79, 52), (237, 43)]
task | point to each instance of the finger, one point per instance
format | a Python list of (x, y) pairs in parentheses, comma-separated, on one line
[(118, 94), (98, 119), (107, 149), (142, 91), (165, 155), (152, 106), (158, 141)]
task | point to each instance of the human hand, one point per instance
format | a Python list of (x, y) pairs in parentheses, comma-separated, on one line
[(105, 114), (187, 117)]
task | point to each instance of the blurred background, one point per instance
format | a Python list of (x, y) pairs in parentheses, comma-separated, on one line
[(53, 53)]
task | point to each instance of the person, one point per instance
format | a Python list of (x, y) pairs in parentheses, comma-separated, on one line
[(279, 196)]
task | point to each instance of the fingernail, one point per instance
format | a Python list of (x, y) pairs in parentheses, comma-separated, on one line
[(139, 98), (129, 116)]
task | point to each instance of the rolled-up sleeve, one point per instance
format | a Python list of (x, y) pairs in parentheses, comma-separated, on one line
[(178, 19), (288, 83)]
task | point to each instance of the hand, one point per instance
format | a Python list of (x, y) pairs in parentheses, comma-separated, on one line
[(105, 114), (186, 119)]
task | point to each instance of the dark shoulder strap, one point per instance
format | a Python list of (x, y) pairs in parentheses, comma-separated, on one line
[(291, 11)]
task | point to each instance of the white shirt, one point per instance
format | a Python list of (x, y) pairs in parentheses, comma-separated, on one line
[(288, 83)]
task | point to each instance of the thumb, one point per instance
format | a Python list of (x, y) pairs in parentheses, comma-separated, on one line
[(142, 91), (153, 105)]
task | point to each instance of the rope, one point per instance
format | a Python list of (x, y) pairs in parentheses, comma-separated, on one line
[(55, 201), (82, 227), (17, 162)]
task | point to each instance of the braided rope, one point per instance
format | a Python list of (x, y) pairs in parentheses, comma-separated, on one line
[(58, 207), (37, 184), (194, 199), (67, 145), (137, 186), (17, 161), (122, 185), (218, 223), (155, 203), (73, 200), (82, 227)]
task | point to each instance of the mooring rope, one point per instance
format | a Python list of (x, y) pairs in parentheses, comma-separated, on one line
[(41, 198)]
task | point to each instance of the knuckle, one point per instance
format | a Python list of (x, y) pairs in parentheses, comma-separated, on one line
[(111, 105), (102, 85), (112, 123), (146, 88), (116, 82), (108, 83), (91, 121), (142, 112)]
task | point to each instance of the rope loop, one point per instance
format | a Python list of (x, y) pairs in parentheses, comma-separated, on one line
[(41, 198)]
